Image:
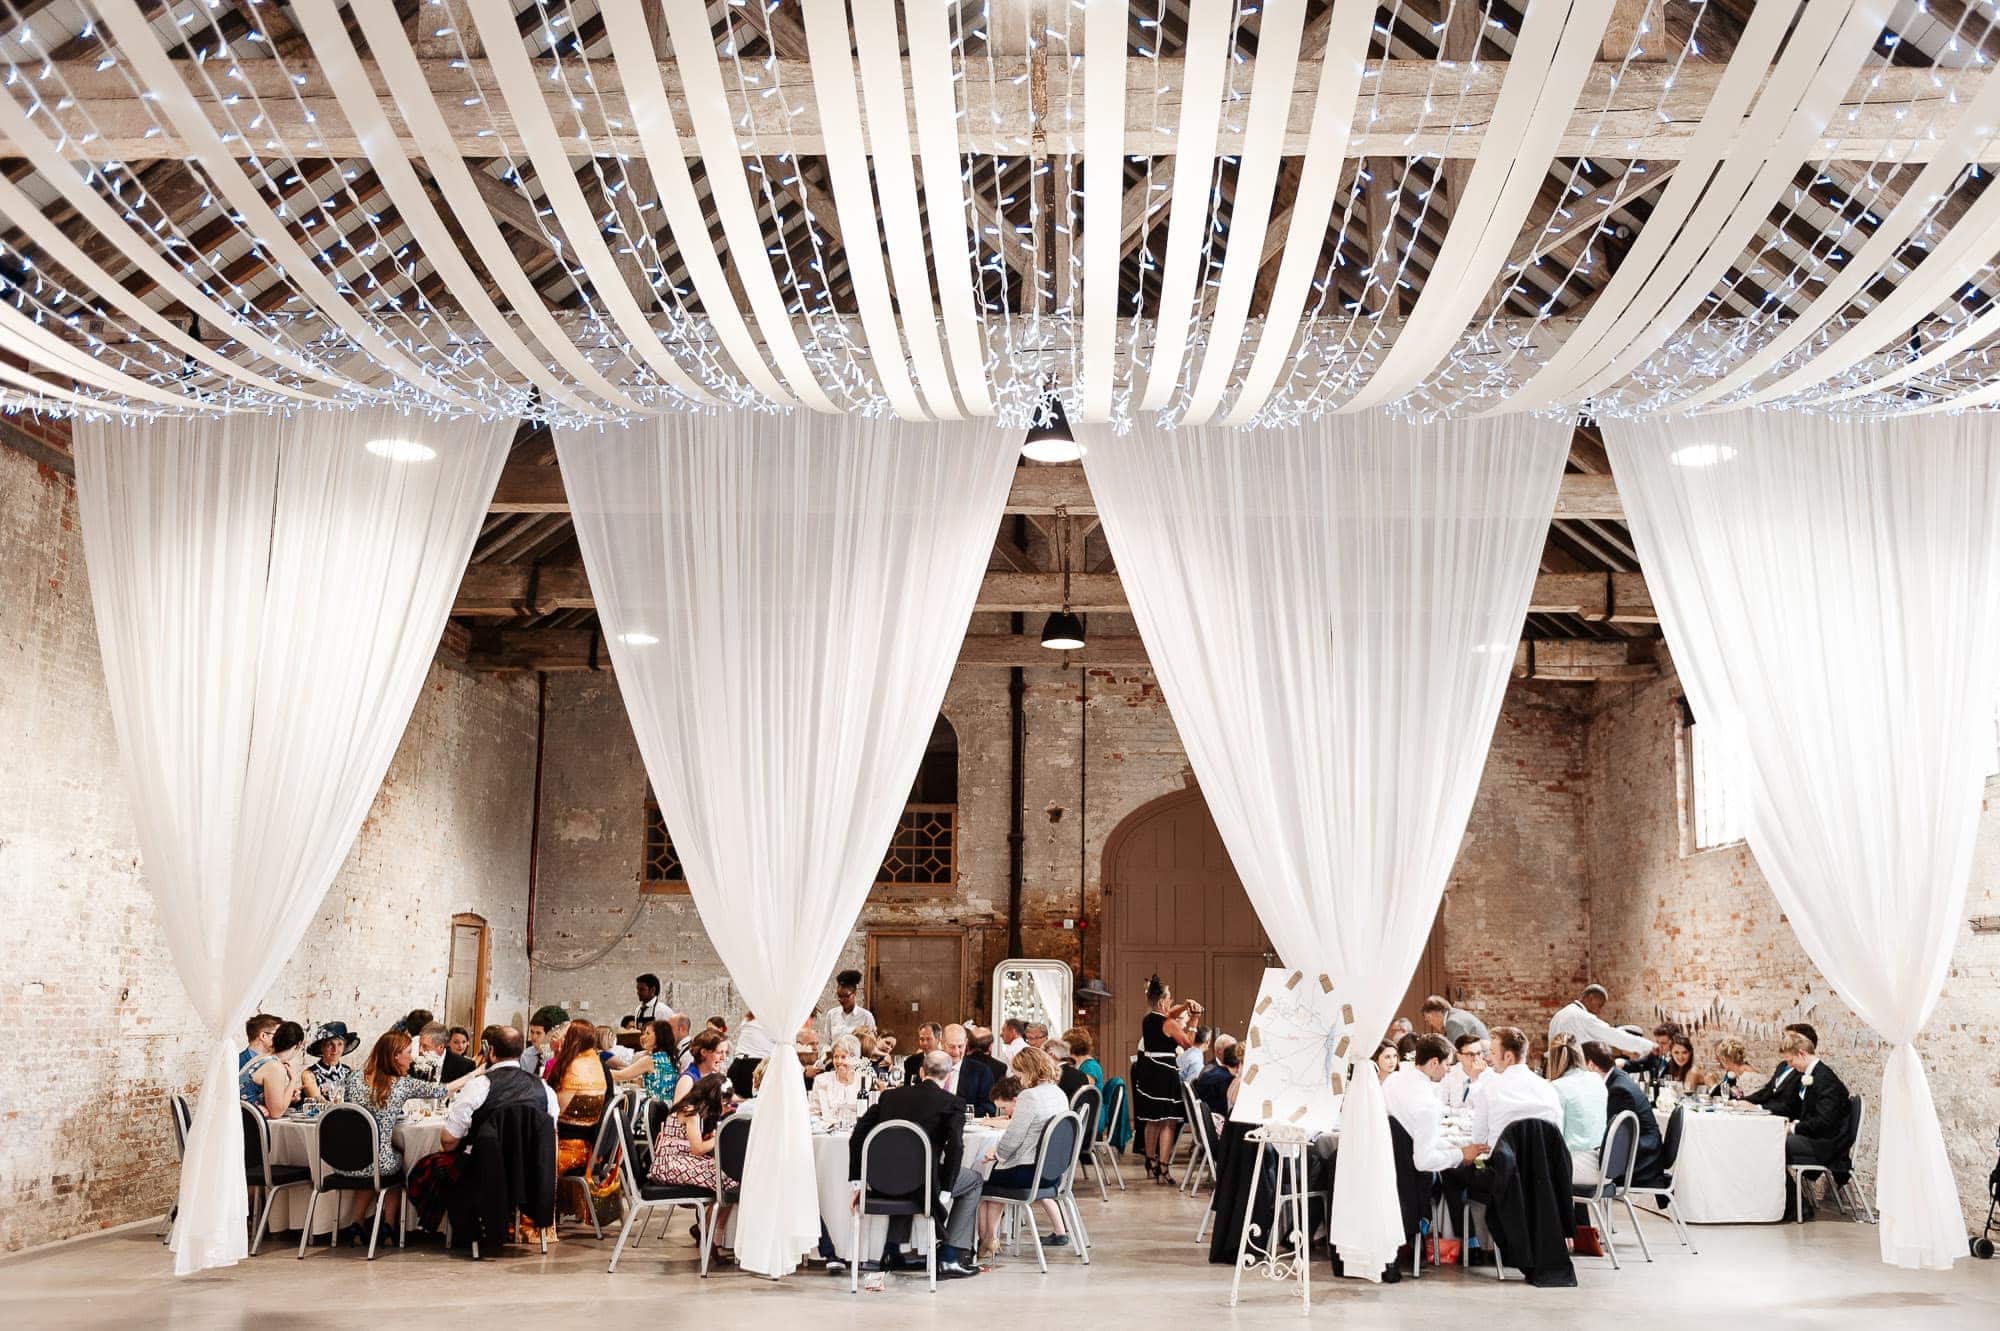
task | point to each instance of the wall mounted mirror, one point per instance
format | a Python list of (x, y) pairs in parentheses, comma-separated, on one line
[(1038, 990)]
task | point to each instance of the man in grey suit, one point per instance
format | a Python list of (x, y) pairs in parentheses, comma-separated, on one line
[(1441, 1018)]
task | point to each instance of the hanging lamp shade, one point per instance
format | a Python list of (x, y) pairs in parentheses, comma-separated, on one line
[(1049, 438), (1063, 632)]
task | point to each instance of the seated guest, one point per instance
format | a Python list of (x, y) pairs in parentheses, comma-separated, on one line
[(1780, 1095), (1083, 1048), (545, 1032), (1013, 1157), (1406, 1048), (929, 1036), (839, 1087), (1441, 1018), (1510, 1091), (582, 1089), (941, 1115), (1401, 1027), (263, 1022), (1385, 1058), (1579, 1022), (1738, 1079), (1456, 1088), (1583, 1100), (878, 1057), (684, 1152), (1036, 1034), (706, 1055), (1410, 1095), (414, 1022), (718, 1025), (1655, 1065), (1818, 1135), (457, 1055), (626, 1025), (657, 1066), (971, 1079), (327, 1078), (385, 1086), (1005, 1092), (1621, 1095), (980, 1043), (1681, 1069), (1212, 1087), (267, 1079), (510, 1113), (427, 1054), (1068, 1079), (682, 1026), (1190, 1059), (807, 1047), (1012, 1039)]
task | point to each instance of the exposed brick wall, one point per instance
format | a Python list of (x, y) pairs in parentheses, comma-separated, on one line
[(98, 1031), (1700, 937)]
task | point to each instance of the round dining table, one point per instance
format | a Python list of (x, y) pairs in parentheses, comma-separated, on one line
[(295, 1139)]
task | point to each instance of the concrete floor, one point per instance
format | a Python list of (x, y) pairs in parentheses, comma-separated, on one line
[(1146, 1270)]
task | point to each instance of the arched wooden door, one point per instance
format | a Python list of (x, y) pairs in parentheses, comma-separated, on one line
[(1175, 906)]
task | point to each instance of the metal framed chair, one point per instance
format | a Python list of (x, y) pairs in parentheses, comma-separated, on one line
[(1844, 1189), (732, 1144), (1614, 1183), (1670, 1154), (1202, 1151), (898, 1177), (183, 1116), (258, 1171), (1102, 1153), (1055, 1173), (643, 1197), (1088, 1105), (345, 1160), (601, 1162)]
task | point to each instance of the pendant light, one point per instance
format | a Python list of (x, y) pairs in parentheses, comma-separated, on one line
[(1063, 631), (1049, 437)]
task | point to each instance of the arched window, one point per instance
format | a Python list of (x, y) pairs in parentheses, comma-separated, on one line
[(923, 853)]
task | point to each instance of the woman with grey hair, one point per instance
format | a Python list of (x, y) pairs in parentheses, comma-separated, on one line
[(839, 1086)]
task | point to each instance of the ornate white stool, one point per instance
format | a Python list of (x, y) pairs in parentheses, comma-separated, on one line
[(1287, 1251)]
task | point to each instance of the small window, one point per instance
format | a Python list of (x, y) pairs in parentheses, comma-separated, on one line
[(1716, 784), (663, 871)]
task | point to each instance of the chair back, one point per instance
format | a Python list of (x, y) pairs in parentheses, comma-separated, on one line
[(1201, 1121), (626, 1134), (897, 1162), (1088, 1104), (346, 1143), (1055, 1162), (609, 1144), (183, 1119), (1620, 1154), (1114, 1110), (256, 1145), (732, 1143), (1670, 1141), (1857, 1118)]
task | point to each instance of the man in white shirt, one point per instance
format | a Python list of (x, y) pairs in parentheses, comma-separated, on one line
[(651, 1007), (846, 1015), (752, 1040), (500, 1045), (1509, 1092), (1579, 1021), (1455, 1090), (1410, 1093), (1011, 1040)]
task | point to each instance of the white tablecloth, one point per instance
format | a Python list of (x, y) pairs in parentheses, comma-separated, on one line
[(292, 1143), (1731, 1168)]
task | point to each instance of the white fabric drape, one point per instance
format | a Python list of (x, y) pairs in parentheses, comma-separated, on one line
[(784, 601), (269, 594), (1332, 611), (1831, 592)]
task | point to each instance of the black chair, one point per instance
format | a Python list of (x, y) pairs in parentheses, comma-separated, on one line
[(258, 1171), (1670, 1154), (1840, 1170), (1055, 1173), (1088, 1105), (183, 1116), (1205, 1146), (732, 1143), (643, 1197), (1617, 1159), (345, 1160), (601, 1163), (898, 1177)]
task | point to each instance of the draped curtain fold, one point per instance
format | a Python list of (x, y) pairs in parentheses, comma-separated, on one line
[(1830, 591), (784, 602), (268, 594), (1332, 610)]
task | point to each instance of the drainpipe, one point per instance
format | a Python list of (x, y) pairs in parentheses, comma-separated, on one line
[(535, 817), (1017, 734)]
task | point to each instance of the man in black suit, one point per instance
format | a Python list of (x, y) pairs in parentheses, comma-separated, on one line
[(980, 1042), (941, 1115), (969, 1079), (1780, 1095), (1621, 1094), (1819, 1134), (930, 1036)]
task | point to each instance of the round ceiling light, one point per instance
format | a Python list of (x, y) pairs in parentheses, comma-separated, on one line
[(1701, 455), (1063, 632), (638, 638), (401, 450)]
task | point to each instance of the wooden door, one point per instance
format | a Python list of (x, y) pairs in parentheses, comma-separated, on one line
[(1429, 977), (465, 975), (915, 977), (1176, 907)]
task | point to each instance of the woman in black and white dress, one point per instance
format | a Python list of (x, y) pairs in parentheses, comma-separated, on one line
[(1157, 1109)]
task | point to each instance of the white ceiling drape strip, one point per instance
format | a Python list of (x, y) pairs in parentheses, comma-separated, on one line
[(854, 205), (882, 87), (42, 345), (326, 28), (1545, 75), (140, 45), (1279, 30), (953, 252), (536, 129), (1104, 46), (1340, 74), (1211, 29), (666, 156)]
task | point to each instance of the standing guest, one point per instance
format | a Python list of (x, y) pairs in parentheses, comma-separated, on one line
[(427, 1055), (1069, 1078), (753, 1045), (705, 1056), (437, 1179), (582, 1091), (926, 1103), (1013, 1158), (1456, 1088), (1578, 1020), (267, 1079), (970, 1079), (1583, 1102), (1212, 1087), (651, 1007), (1623, 1095), (1738, 1079), (980, 1044), (1511, 1091), (1441, 1018), (457, 1053), (839, 1087), (846, 1015), (1083, 1048), (657, 1066), (1036, 1034), (1013, 1038), (261, 1024), (930, 1036), (1818, 1135), (684, 1151), (1385, 1058), (545, 1032), (327, 1078), (386, 1086), (1780, 1095), (1156, 1083)]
